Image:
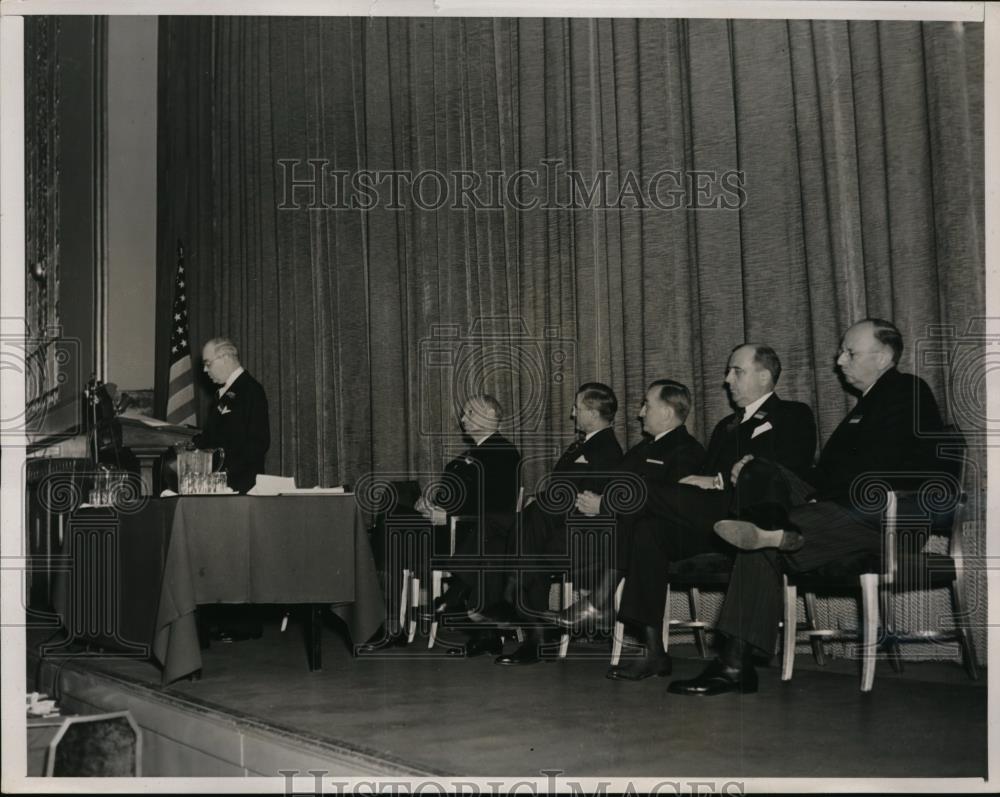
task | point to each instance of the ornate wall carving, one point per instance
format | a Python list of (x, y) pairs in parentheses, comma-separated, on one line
[(41, 175)]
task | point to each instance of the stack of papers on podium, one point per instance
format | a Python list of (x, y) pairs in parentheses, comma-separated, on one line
[(315, 491), (145, 419), (272, 485)]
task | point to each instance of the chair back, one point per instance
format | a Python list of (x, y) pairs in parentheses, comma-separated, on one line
[(99, 745), (953, 460)]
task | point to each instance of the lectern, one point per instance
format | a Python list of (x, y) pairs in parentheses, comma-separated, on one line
[(145, 439)]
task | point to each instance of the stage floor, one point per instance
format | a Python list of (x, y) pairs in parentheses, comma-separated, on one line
[(417, 709)]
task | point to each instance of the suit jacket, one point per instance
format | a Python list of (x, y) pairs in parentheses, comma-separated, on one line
[(780, 431), (660, 464), (883, 434), (588, 464), (238, 423), (489, 476)]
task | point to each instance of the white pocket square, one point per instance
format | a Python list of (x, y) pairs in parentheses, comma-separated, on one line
[(764, 427), (581, 460), (224, 410), (654, 461)]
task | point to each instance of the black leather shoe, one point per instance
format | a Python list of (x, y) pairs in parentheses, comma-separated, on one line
[(642, 669), (747, 537), (478, 645), (454, 599), (767, 515), (383, 641), (717, 679), (581, 612), (528, 653)]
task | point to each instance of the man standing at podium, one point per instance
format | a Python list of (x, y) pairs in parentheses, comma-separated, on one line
[(237, 420), (238, 423)]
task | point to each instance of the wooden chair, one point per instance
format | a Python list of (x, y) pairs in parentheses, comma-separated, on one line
[(903, 566), (709, 571), (439, 574), (99, 745)]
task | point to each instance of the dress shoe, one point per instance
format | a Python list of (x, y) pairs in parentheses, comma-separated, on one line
[(478, 645), (578, 614), (747, 537), (454, 600), (644, 668), (383, 641), (767, 515), (717, 679), (528, 653)]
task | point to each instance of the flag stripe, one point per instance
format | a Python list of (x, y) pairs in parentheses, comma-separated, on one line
[(180, 393), (183, 396)]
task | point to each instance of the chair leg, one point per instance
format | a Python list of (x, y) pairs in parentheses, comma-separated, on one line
[(694, 603), (961, 619), (404, 599), (889, 642), (436, 578), (869, 629), (618, 636), (414, 608), (567, 598), (788, 631), (815, 642), (666, 620)]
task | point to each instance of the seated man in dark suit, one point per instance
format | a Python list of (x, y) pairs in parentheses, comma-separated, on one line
[(585, 465), (666, 454), (678, 519), (481, 482), (238, 419), (763, 424), (884, 436), (487, 477)]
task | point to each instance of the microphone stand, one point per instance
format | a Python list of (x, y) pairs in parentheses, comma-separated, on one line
[(92, 393), (92, 402)]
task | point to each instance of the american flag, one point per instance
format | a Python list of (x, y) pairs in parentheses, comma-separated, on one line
[(180, 394)]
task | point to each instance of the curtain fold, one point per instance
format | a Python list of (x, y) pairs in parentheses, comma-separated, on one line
[(860, 146)]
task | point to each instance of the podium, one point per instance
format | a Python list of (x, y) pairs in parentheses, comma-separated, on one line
[(145, 439)]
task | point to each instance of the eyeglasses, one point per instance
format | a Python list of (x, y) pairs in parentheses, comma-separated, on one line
[(851, 354), (207, 363)]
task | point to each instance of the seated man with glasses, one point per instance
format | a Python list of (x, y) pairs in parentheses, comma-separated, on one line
[(889, 435)]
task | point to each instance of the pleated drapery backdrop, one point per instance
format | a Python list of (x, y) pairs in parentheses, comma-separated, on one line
[(860, 146)]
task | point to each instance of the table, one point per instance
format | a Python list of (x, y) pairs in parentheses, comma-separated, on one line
[(133, 580), (40, 732)]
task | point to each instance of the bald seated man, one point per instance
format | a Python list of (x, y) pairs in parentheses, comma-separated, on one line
[(891, 434), (482, 483)]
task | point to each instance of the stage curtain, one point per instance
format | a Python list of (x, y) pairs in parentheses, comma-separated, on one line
[(860, 146)]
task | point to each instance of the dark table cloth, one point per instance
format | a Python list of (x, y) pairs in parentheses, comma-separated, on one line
[(176, 553)]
